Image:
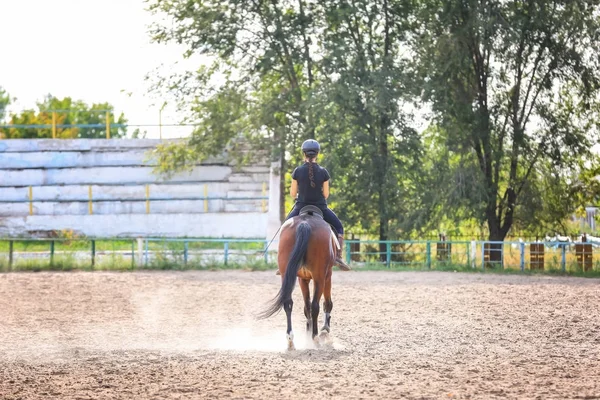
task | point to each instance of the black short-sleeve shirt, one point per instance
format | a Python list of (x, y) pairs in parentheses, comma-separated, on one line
[(307, 193)]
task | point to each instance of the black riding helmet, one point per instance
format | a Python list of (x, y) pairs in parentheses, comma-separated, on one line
[(311, 148)]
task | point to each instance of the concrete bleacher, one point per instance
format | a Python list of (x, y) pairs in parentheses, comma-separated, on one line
[(128, 198)]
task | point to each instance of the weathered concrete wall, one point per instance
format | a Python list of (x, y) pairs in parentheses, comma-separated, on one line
[(65, 145), (249, 225), (59, 174), (121, 175)]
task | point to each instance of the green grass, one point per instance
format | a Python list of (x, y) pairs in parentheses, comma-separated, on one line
[(123, 245), (59, 245), (124, 263)]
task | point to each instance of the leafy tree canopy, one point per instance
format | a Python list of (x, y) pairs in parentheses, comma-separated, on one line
[(68, 112)]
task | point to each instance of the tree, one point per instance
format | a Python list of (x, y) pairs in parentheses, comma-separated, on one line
[(82, 120), (514, 86), (299, 69), (374, 150)]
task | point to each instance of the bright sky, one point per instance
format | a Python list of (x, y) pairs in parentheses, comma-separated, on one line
[(90, 50)]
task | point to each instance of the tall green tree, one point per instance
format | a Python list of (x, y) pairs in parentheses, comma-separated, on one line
[(514, 85), (374, 150)]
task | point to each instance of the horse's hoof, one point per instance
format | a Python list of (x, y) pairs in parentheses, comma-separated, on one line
[(290, 341), (325, 338), (317, 342), (277, 273)]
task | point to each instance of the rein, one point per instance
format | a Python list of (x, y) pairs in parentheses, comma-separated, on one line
[(274, 236)]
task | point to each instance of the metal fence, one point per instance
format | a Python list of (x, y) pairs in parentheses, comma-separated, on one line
[(69, 253), (105, 125)]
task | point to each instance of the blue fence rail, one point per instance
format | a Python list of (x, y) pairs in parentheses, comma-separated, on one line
[(197, 252), (136, 199)]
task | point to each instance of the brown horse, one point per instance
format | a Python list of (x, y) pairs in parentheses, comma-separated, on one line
[(307, 248)]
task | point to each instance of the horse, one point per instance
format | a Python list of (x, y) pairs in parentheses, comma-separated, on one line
[(307, 248)]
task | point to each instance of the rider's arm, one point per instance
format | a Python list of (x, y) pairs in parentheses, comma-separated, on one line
[(326, 189), (294, 189)]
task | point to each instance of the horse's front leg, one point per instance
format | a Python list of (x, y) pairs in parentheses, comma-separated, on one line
[(306, 295)]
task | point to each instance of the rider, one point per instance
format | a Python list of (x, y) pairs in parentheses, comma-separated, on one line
[(310, 183)]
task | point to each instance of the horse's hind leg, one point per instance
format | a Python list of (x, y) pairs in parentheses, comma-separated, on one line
[(314, 308), (306, 295), (327, 305), (288, 305)]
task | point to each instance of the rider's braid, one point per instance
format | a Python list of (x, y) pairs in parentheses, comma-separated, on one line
[(311, 172)]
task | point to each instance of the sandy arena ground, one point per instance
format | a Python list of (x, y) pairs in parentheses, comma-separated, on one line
[(413, 335)]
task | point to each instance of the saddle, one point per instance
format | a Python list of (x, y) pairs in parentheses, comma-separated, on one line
[(311, 210)]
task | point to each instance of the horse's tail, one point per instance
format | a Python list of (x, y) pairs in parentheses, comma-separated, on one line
[(289, 279)]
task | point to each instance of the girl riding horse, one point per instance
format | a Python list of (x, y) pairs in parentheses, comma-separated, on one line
[(310, 186)]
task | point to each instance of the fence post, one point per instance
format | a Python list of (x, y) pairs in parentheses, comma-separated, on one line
[(140, 249), (146, 255), (226, 252), (160, 120), (52, 253), (468, 254), (388, 254), (93, 253), (10, 255), (522, 249), (483, 256), (428, 254), (185, 253), (53, 124), (563, 262), (348, 252), (107, 125), (132, 254)]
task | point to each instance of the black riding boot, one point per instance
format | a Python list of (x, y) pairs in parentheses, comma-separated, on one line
[(339, 260)]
